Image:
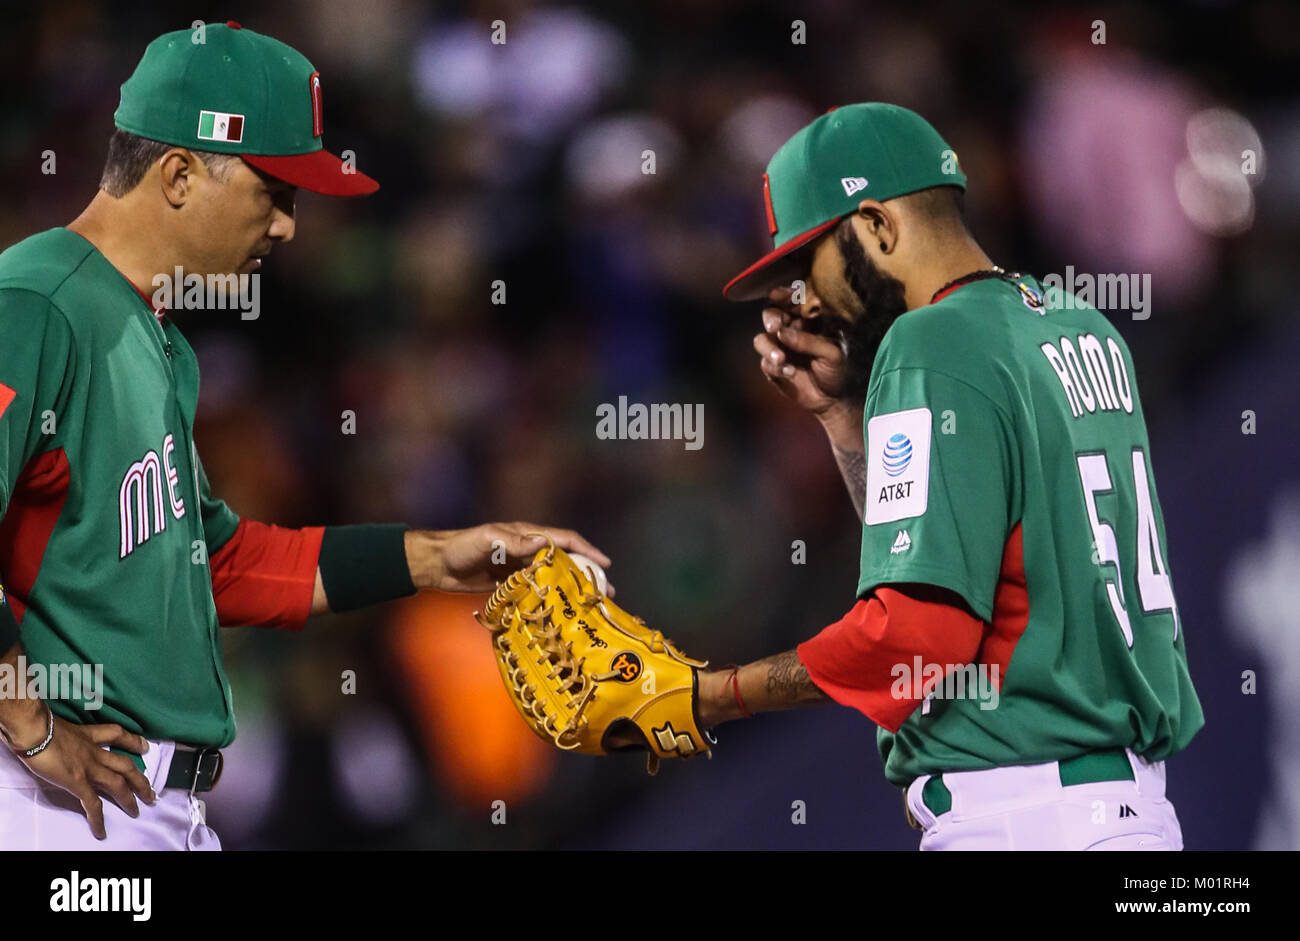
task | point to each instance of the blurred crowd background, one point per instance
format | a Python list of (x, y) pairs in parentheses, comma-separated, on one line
[(523, 163)]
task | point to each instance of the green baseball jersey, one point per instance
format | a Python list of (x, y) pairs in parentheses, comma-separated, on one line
[(108, 521), (1004, 436)]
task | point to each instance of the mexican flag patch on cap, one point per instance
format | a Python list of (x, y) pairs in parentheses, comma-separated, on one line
[(217, 125), (269, 96)]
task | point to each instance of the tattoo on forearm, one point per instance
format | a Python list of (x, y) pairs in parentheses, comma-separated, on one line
[(853, 468), (788, 682)]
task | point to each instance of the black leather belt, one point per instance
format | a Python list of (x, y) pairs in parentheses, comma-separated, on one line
[(195, 769)]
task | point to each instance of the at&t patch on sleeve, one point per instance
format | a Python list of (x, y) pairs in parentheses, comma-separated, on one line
[(898, 465)]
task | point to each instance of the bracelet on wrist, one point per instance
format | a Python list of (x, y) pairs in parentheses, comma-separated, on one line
[(36, 749), (734, 682)]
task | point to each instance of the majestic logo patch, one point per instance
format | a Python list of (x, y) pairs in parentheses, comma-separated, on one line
[(220, 126), (901, 544), (628, 666), (853, 184), (898, 466)]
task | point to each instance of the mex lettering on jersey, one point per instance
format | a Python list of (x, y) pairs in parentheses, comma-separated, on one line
[(1094, 379), (142, 510)]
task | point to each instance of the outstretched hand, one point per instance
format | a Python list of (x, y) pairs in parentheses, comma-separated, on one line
[(476, 559)]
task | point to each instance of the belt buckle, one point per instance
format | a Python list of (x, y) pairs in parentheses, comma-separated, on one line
[(198, 767)]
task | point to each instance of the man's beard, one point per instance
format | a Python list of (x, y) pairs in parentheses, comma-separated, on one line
[(883, 302)]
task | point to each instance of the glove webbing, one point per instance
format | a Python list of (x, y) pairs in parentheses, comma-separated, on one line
[(501, 609)]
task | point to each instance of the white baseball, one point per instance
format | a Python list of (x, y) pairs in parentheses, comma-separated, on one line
[(592, 570)]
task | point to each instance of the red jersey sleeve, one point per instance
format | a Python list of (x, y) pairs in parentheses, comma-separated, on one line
[(855, 660), (265, 575)]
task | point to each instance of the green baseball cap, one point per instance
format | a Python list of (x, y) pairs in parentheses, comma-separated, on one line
[(851, 153), (229, 90)]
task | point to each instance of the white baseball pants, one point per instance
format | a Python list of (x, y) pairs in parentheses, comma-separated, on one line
[(36, 815), (1025, 807)]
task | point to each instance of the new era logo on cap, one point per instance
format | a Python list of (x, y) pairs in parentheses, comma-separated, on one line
[(217, 125), (812, 181)]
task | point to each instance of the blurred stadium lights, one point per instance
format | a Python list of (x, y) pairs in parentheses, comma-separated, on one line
[(754, 131), (1215, 182), (606, 159)]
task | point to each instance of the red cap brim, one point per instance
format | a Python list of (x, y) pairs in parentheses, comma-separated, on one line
[(319, 172), (758, 279)]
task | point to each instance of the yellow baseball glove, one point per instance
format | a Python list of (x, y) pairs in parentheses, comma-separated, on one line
[(584, 673)]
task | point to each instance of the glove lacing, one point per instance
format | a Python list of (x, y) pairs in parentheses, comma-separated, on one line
[(544, 637)]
